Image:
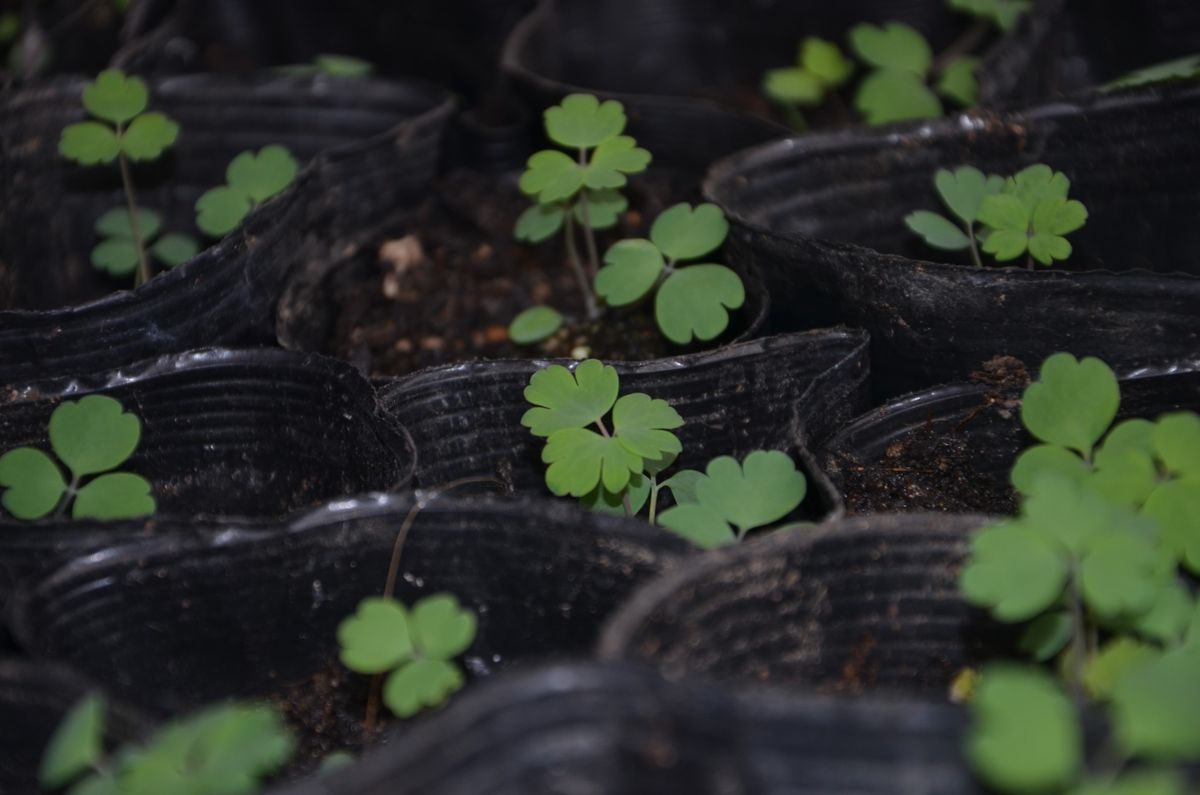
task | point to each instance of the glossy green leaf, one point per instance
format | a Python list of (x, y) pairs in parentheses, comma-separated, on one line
[(148, 136), (937, 230), (1156, 708), (1014, 571), (1072, 403), (631, 269), (220, 210), (173, 249), (93, 434), (794, 85), (695, 302), (551, 176), (116, 495), (116, 256), (892, 95), (420, 684), (682, 232), (825, 61), (761, 490), (1115, 660), (33, 483), (604, 208), (89, 143), (1035, 464), (643, 424), (612, 160), (958, 81), (580, 458), (1176, 439), (893, 45), (75, 747), (581, 121), (115, 97), (563, 399), (115, 223), (698, 524), (264, 175), (534, 325), (443, 628), (377, 637)]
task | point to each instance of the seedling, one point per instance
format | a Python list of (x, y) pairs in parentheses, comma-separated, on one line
[(821, 69), (117, 252), (580, 190), (691, 301), (1026, 214), (90, 436), (1177, 70), (250, 181), (331, 65), (218, 751), (1091, 563), (124, 132)]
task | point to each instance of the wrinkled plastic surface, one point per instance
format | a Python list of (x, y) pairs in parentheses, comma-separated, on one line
[(822, 217)]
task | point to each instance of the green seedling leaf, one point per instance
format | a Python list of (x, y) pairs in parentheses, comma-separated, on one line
[(963, 190), (539, 222), (376, 638), (1003, 13), (97, 785), (1024, 735), (695, 302), (115, 97), (612, 160), (563, 399), (1136, 435), (1156, 708), (534, 325), (117, 495), (631, 269), (1072, 403), (1046, 635), (579, 459), (638, 492), (1174, 506), (420, 684), (891, 95), (33, 483), (1013, 571), (115, 223), (116, 256), (148, 136), (683, 486), (761, 490), (825, 61), (682, 232), (335, 761), (443, 628), (1035, 464), (75, 747), (642, 424), (1124, 476), (581, 121), (1052, 219), (937, 230), (1176, 440), (262, 176), (1167, 620), (958, 81), (1077, 518), (220, 210), (174, 249), (551, 176), (336, 65), (89, 143), (699, 525), (892, 46), (1008, 219), (1035, 184), (1118, 658), (93, 434), (654, 466), (604, 208), (1121, 576), (1186, 68), (794, 85)]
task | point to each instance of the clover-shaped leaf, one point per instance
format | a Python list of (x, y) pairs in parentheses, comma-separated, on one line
[(1176, 440), (892, 46), (605, 501), (682, 232), (1052, 219), (89, 143), (116, 256), (75, 747), (376, 638), (643, 425), (891, 95), (115, 97), (534, 325), (1008, 219), (261, 176), (1034, 184), (1003, 13), (1013, 571), (93, 434), (581, 121), (1174, 506), (1167, 620), (148, 136), (219, 210), (420, 684), (1035, 464), (958, 81), (551, 176), (1156, 708), (444, 629), (1077, 517), (116, 223), (174, 249), (580, 458), (631, 270), (1121, 576), (563, 399), (1072, 403), (695, 302), (1124, 475), (116, 495), (33, 483), (603, 208), (964, 189), (698, 524), (1025, 736), (539, 222), (825, 60), (612, 160)]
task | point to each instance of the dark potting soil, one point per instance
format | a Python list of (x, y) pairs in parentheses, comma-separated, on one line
[(935, 469), (325, 713), (446, 287)]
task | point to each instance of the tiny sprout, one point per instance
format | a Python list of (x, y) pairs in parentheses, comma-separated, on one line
[(250, 180), (117, 252), (90, 436), (415, 647), (330, 64), (820, 69)]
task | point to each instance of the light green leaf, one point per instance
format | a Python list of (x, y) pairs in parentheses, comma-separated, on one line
[(228, 749), (579, 459), (534, 325), (698, 524), (825, 60), (75, 747), (631, 269), (149, 136), (1175, 506), (1035, 463), (891, 95), (643, 425), (173, 249), (1121, 576), (115, 256), (115, 97), (262, 176), (539, 222), (599, 499), (1167, 620), (1156, 708), (1077, 517), (581, 121), (1046, 635), (33, 483), (937, 230), (1025, 735), (1176, 439), (612, 160), (116, 495), (1004, 212), (563, 399), (1013, 571), (1124, 475), (1072, 403), (682, 232), (93, 434), (1118, 657), (1059, 216), (694, 302), (963, 190), (443, 628), (377, 637), (115, 223), (1048, 248), (1034, 184), (683, 485), (551, 176), (653, 466), (1005, 245), (892, 46), (958, 81), (604, 208), (220, 210), (419, 684), (89, 143), (1135, 434), (761, 490), (336, 65), (794, 85)]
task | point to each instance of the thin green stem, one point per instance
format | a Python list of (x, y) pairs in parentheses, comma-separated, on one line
[(974, 246), (68, 495), (654, 487), (589, 301), (1078, 650), (624, 497), (143, 273), (589, 236)]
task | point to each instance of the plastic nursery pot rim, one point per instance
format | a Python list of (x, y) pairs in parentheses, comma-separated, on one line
[(729, 172)]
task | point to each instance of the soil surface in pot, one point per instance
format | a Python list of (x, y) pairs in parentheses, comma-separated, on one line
[(445, 288), (938, 469)]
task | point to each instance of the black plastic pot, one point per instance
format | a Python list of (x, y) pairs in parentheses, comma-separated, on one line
[(967, 436), (1074, 46), (689, 72), (257, 434), (622, 730), (175, 622), (822, 217), (783, 392), (34, 698), (858, 604), (380, 142)]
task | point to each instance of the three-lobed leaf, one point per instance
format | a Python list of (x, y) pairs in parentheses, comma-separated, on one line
[(376, 638), (893, 45), (148, 136), (892, 95), (93, 434), (581, 121), (89, 143), (1072, 403), (263, 175), (565, 399), (115, 97), (683, 232), (695, 302)]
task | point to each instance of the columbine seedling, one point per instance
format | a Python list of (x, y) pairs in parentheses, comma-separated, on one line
[(1026, 214), (1091, 564), (691, 301), (124, 132), (218, 751), (581, 189), (90, 436), (251, 179), (117, 252), (821, 69)]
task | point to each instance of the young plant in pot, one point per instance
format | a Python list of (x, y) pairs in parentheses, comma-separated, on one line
[(1097, 567)]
